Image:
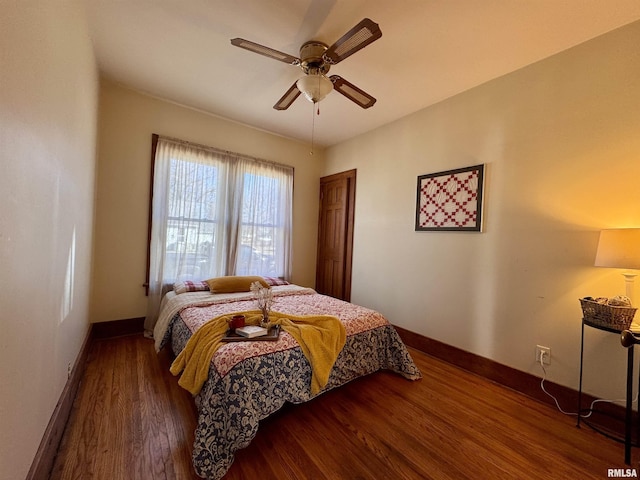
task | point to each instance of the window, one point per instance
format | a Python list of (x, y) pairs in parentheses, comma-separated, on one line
[(190, 236), (216, 213)]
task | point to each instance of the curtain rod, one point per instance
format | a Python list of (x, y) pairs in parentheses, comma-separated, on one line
[(223, 152)]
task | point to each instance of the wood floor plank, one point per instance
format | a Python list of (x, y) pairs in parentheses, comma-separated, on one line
[(154, 413), (129, 403), (132, 421), (111, 432), (78, 436), (180, 427)]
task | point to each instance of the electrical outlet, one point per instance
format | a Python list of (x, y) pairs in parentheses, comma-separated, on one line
[(69, 371), (545, 352)]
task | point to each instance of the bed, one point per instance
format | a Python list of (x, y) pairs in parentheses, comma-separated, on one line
[(248, 381)]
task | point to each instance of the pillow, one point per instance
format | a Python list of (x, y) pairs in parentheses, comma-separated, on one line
[(232, 284), (189, 286), (275, 281)]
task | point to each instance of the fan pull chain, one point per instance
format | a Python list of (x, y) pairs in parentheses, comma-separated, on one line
[(313, 124)]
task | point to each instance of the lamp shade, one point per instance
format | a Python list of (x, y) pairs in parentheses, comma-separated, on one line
[(619, 248), (315, 87)]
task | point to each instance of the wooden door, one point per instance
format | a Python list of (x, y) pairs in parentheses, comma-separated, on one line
[(335, 234)]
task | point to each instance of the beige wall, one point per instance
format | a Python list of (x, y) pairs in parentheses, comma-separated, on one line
[(127, 120), (561, 143), (48, 114)]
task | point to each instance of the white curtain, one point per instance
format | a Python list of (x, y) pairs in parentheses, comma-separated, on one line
[(216, 213)]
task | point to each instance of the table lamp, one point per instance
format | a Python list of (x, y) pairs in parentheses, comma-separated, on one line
[(620, 248)]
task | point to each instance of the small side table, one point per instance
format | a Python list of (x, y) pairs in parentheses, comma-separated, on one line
[(629, 341)]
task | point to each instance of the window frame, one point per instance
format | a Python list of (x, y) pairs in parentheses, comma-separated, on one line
[(154, 147)]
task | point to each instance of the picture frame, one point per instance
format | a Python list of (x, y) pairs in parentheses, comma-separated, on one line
[(450, 200)]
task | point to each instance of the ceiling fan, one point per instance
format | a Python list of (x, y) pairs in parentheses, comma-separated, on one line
[(316, 58)]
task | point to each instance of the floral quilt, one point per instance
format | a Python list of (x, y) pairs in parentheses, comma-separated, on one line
[(249, 380)]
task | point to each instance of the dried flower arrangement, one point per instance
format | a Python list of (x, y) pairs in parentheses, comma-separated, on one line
[(264, 300)]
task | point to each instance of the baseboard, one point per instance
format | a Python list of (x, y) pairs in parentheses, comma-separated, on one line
[(610, 416), (118, 328), (48, 449)]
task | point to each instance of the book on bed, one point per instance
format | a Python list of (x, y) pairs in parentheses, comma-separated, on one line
[(251, 331), (271, 336)]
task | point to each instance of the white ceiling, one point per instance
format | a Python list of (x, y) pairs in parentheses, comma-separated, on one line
[(179, 50)]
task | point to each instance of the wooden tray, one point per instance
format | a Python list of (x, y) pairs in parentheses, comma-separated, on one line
[(272, 336)]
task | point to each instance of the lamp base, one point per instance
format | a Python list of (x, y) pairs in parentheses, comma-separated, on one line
[(629, 278)]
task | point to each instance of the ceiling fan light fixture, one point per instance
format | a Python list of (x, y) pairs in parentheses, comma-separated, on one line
[(315, 87), (316, 58)]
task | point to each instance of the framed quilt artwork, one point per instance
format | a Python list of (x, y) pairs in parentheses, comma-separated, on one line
[(451, 200)]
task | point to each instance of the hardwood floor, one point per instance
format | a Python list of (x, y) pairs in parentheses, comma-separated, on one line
[(132, 421)]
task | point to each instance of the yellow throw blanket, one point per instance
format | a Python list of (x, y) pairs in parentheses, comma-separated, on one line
[(321, 338)]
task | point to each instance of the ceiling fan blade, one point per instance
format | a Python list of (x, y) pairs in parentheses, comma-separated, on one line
[(352, 92), (288, 98), (355, 39), (266, 51)]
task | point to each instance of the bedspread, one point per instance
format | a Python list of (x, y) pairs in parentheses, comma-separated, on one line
[(250, 380)]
